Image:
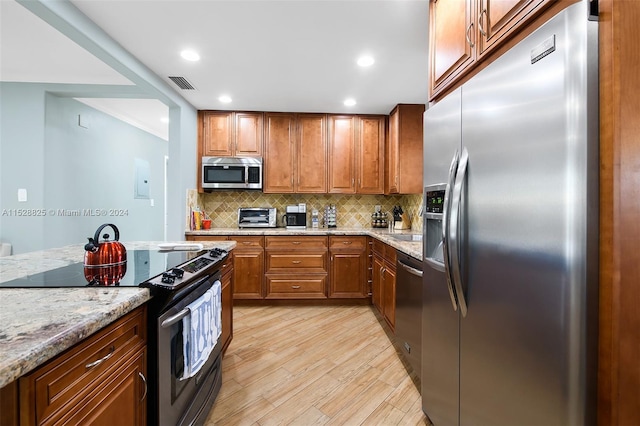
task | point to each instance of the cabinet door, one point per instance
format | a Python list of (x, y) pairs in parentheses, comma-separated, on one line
[(452, 38), (279, 153), (248, 134), (389, 295), (248, 273), (371, 136), (348, 275), (122, 401), (499, 18), (342, 155), (227, 310), (391, 174), (217, 127), (311, 153), (409, 141), (376, 284)]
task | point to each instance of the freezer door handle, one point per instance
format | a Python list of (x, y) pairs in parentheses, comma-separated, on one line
[(445, 228), (454, 231)]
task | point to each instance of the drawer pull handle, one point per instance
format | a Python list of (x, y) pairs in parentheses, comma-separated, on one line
[(296, 262), (144, 379), (295, 287), (295, 242), (246, 242), (347, 242), (112, 349)]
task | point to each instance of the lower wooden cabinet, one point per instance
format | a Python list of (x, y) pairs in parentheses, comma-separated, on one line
[(101, 380), (248, 263), (348, 267), (312, 267), (296, 267), (227, 301), (248, 272), (384, 281)]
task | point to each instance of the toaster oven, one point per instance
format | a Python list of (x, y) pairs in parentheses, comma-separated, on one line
[(257, 217)]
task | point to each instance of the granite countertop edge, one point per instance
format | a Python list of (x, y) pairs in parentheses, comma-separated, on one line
[(412, 248), (38, 324)]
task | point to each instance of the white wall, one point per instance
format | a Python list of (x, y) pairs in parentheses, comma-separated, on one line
[(65, 167)]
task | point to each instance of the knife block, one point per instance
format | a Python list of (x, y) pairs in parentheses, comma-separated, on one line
[(405, 223)]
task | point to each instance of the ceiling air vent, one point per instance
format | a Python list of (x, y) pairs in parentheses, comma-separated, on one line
[(182, 83)]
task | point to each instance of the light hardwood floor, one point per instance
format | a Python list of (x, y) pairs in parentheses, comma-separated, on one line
[(306, 365)]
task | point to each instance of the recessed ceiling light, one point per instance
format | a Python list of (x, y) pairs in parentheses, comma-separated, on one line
[(350, 102), (365, 61), (225, 99), (190, 55)]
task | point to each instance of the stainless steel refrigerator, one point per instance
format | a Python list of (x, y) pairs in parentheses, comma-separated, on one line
[(511, 236)]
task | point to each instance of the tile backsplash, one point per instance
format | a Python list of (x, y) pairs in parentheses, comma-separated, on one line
[(353, 210)]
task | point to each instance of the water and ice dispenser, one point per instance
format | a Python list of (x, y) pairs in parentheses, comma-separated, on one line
[(434, 206)]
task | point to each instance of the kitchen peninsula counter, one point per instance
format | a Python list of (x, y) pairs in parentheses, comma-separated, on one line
[(37, 324), (412, 248)]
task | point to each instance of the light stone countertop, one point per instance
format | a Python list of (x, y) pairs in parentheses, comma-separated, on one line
[(412, 248), (38, 324)]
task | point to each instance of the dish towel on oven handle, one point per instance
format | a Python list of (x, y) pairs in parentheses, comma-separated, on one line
[(201, 330)]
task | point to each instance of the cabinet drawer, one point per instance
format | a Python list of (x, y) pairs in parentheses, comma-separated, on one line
[(310, 262), (295, 243), (71, 373), (207, 238), (347, 243), (378, 247), (298, 286), (247, 242)]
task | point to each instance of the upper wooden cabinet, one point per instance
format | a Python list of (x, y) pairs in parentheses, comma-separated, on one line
[(356, 154), (279, 158), (462, 32), (311, 153), (295, 153), (226, 133), (342, 154), (451, 41), (404, 150), (370, 155)]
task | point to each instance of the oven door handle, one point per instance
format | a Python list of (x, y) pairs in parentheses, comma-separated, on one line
[(175, 318)]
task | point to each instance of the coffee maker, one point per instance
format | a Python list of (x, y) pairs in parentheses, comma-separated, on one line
[(296, 217)]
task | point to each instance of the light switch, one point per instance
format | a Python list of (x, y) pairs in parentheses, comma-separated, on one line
[(152, 202), (22, 195)]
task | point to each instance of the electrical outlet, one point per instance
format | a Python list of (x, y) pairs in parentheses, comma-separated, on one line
[(22, 195), (377, 207)]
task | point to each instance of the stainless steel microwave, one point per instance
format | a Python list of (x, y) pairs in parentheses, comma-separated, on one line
[(231, 173)]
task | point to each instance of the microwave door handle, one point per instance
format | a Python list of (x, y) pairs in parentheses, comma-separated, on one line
[(246, 175)]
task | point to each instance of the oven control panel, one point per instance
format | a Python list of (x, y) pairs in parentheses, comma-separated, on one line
[(185, 273)]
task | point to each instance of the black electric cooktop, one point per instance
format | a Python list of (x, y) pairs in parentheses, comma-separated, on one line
[(141, 266)]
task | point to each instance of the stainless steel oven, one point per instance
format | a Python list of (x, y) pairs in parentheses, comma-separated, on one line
[(176, 398), (223, 173)]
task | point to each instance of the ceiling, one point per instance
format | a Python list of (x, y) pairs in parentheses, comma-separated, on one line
[(267, 55)]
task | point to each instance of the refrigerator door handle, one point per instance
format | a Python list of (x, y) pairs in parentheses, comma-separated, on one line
[(445, 228), (454, 232)]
